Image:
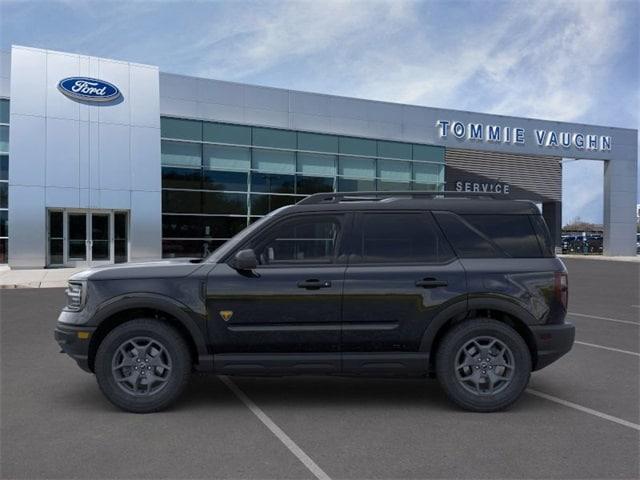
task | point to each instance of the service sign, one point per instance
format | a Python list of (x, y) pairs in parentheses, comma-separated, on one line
[(88, 89)]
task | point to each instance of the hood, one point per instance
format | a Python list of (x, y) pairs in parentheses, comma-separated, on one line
[(169, 268)]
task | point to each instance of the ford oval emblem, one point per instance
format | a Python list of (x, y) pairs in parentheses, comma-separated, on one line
[(89, 89)]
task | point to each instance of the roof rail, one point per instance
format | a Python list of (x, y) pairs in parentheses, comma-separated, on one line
[(336, 197)]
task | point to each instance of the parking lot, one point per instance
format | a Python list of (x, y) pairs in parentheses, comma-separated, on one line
[(579, 419)]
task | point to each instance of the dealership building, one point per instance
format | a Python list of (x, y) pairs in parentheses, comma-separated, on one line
[(107, 161)]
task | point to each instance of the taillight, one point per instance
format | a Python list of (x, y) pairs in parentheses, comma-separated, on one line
[(562, 288)]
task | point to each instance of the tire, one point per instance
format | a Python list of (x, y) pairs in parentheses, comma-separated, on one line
[(143, 365), (482, 382)]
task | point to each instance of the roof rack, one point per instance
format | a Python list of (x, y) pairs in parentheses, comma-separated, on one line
[(336, 197)]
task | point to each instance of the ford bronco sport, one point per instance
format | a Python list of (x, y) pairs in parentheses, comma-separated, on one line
[(364, 283)]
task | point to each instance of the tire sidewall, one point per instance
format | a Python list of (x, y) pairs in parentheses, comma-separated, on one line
[(458, 337), (172, 342)]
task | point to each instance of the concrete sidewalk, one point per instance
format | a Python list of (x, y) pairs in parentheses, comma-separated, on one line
[(36, 278)]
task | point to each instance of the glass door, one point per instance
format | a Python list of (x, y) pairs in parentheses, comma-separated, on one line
[(100, 241), (77, 240)]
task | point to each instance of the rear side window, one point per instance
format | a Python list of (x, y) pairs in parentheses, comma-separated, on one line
[(401, 238), (544, 237), (467, 241), (514, 234)]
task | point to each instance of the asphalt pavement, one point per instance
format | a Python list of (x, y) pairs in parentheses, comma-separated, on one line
[(54, 422)]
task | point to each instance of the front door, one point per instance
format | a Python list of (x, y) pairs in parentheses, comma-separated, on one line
[(287, 311), (401, 273)]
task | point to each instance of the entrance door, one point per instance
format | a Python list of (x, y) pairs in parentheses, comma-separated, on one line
[(84, 239)]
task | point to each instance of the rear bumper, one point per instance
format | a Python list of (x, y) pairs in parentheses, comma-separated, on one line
[(552, 342), (74, 341)]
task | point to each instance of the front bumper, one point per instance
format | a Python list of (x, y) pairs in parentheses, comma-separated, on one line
[(552, 342), (74, 341)]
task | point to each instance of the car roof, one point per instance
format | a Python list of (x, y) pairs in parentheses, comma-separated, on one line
[(440, 201)]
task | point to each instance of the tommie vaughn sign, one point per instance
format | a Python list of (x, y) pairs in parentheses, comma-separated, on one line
[(88, 89), (479, 132)]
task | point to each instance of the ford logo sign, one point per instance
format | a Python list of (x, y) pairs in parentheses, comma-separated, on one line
[(89, 89)]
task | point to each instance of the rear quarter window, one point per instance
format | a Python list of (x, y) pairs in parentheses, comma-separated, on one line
[(492, 235)]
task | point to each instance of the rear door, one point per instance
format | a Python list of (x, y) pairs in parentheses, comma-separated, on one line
[(401, 273)]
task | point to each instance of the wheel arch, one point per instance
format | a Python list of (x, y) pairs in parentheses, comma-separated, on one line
[(497, 308), (120, 310)]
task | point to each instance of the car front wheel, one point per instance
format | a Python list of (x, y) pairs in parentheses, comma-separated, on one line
[(143, 365), (483, 365)]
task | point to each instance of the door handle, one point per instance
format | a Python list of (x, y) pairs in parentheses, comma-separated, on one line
[(430, 283), (313, 284)]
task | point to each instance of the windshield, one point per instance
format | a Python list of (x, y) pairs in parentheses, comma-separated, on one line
[(239, 237)]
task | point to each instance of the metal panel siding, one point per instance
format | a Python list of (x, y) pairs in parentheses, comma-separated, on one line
[(539, 175)]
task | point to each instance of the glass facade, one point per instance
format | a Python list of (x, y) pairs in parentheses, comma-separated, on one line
[(217, 178), (4, 180)]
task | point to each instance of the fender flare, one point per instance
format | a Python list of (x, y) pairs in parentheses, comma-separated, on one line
[(490, 302), (162, 303)]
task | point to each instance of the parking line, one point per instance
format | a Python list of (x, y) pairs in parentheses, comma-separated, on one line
[(628, 352), (277, 431), (590, 411), (605, 318)]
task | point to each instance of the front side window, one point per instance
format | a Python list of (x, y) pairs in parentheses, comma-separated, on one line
[(401, 238), (309, 240)]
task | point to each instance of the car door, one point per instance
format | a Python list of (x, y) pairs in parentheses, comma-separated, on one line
[(290, 304), (401, 273)]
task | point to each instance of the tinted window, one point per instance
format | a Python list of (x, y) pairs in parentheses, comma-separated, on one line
[(512, 233), (309, 240), (402, 237), (544, 237), (181, 178), (467, 242)]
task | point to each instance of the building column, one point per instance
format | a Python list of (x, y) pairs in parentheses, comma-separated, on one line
[(552, 213), (620, 199)]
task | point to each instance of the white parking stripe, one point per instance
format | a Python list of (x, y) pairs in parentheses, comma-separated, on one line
[(608, 348), (277, 431), (590, 411), (605, 318)]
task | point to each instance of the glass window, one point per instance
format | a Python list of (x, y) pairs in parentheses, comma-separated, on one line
[(224, 133), (357, 167), (4, 139), (4, 223), (402, 237), (394, 171), (120, 237), (4, 195), (385, 186), (394, 150), (428, 153), (467, 241), (217, 180), (231, 203), (4, 111), (182, 129), (316, 164), (182, 178), (428, 173), (358, 146), (263, 204), (176, 201), (227, 158), (544, 236), (353, 185), (180, 153), (4, 251), (274, 161), (512, 233), (310, 185), (317, 143), (188, 226), (269, 183), (189, 248), (309, 240), (272, 137), (4, 167)]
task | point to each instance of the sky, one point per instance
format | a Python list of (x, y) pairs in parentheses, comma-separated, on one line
[(558, 60)]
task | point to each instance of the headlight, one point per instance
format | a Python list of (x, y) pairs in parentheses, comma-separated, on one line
[(75, 296)]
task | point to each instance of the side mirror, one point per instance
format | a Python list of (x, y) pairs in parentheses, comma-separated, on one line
[(245, 260)]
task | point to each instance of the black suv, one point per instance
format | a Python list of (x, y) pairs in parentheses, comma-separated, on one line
[(366, 283)]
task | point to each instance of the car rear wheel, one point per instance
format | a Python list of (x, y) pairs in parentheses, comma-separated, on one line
[(143, 365), (483, 365)]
